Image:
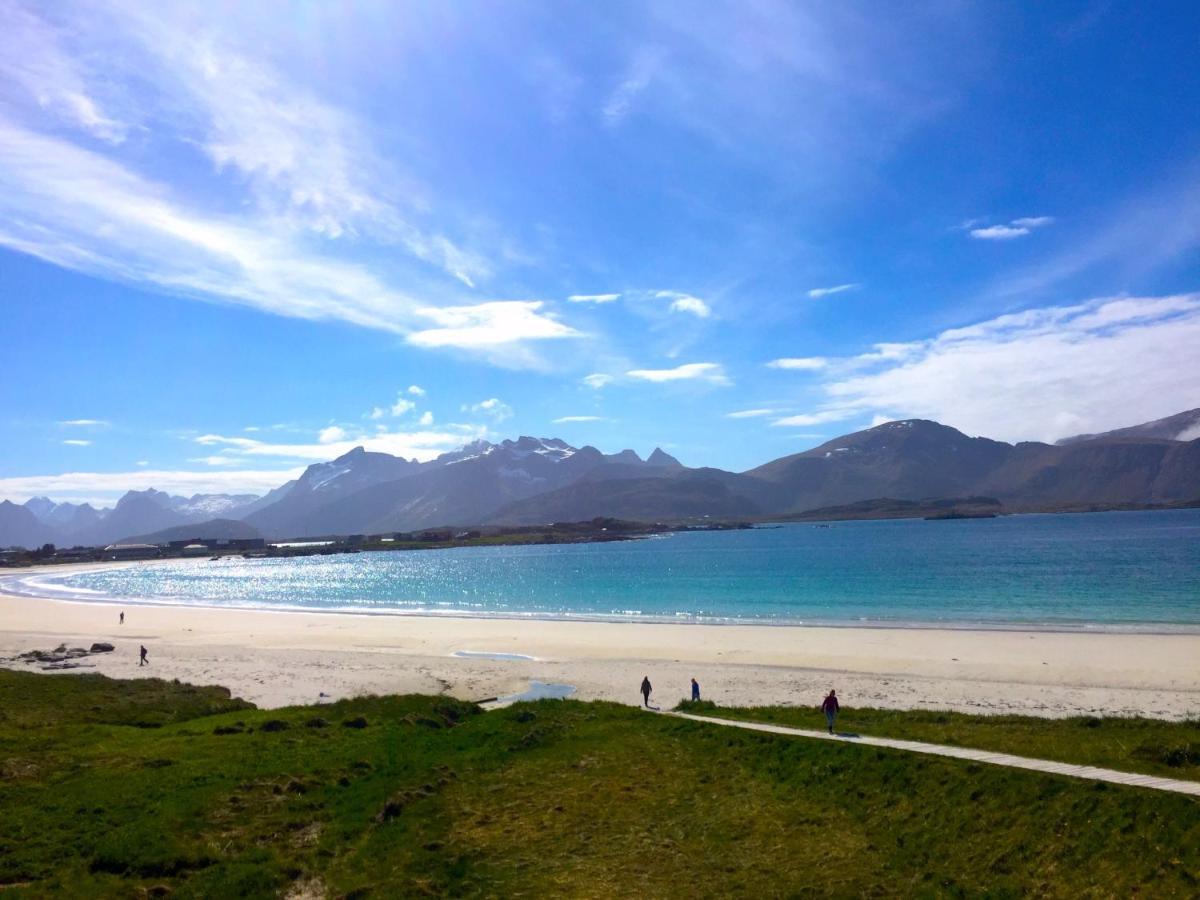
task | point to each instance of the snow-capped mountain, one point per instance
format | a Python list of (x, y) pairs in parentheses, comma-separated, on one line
[(534, 480), (462, 487)]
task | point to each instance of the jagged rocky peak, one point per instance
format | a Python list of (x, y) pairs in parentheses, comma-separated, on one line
[(162, 498), (626, 456), (40, 506), (551, 448), (661, 458)]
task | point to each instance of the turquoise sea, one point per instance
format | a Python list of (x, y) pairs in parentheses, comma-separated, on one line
[(1131, 570)]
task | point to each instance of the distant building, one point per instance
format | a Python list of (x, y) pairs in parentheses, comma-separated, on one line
[(130, 551), (231, 544), (195, 550)]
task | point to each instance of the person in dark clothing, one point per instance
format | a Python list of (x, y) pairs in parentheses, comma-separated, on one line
[(695, 689), (122, 618), (830, 708), (144, 654), (646, 689)]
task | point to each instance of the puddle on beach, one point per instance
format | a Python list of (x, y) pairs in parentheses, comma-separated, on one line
[(538, 690), (488, 654)]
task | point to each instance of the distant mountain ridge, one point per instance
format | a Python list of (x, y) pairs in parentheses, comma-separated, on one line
[(1184, 426), (534, 480)]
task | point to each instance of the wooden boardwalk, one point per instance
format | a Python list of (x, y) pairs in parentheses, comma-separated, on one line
[(1092, 773)]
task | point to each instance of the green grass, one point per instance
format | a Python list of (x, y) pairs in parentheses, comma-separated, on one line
[(1146, 746), (115, 788)]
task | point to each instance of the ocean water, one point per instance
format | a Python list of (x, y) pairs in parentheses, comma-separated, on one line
[(1132, 570)]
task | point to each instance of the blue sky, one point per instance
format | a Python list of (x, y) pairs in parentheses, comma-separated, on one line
[(239, 238)]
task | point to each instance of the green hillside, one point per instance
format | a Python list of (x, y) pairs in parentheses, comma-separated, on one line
[(114, 788)]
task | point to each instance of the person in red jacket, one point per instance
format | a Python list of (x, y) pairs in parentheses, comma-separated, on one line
[(830, 708)]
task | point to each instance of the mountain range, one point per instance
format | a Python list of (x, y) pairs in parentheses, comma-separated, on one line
[(536, 480)]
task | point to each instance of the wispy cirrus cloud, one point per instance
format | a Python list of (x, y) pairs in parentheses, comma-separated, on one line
[(598, 380), (820, 417), (593, 298), (750, 414), (76, 442), (570, 420), (637, 77), (85, 423), (818, 293), (297, 214), (713, 373)]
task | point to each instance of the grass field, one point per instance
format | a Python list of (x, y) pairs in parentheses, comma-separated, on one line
[(1148, 746), (114, 788)]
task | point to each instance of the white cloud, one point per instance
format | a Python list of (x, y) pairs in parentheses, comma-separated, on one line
[(799, 363), (85, 423), (494, 408), (693, 305), (77, 443), (593, 298), (750, 413), (598, 380), (331, 435), (401, 406), (1014, 229), (818, 418), (566, 420), (217, 460), (817, 293), (421, 445), (1033, 221), (309, 191), (250, 429), (714, 373), (1044, 373), (142, 462), (426, 419), (681, 302), (376, 413), (489, 325), (998, 233), (106, 487), (416, 390)]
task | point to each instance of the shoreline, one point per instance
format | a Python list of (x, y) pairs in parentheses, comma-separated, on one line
[(79, 595), (276, 657)]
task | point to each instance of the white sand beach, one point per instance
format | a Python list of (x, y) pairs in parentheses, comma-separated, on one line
[(282, 658)]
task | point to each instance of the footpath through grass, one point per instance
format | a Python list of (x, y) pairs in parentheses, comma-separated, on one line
[(118, 789), (1145, 746)]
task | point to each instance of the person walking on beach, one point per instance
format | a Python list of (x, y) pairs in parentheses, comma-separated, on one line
[(646, 689), (830, 708), (122, 617), (695, 690), (144, 654)]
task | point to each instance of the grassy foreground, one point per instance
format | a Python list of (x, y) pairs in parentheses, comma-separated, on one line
[(112, 788), (1146, 746)]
